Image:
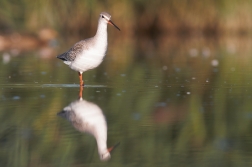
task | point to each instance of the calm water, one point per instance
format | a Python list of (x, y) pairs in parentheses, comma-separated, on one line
[(184, 102)]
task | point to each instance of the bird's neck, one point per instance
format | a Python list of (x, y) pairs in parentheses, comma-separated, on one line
[(101, 32), (101, 139), (101, 39)]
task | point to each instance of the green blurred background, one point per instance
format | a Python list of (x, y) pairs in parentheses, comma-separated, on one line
[(181, 17), (177, 82)]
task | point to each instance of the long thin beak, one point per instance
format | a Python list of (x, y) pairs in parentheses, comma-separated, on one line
[(113, 147), (111, 22)]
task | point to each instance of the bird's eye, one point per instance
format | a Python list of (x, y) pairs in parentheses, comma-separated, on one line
[(102, 16)]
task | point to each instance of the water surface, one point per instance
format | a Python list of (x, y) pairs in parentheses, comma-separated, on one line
[(180, 102)]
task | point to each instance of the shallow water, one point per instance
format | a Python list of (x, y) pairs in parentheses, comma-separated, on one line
[(186, 103)]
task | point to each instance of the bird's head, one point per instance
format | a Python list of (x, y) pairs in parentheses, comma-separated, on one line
[(106, 155), (105, 17)]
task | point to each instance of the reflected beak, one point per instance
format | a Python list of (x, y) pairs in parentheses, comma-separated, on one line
[(110, 22), (113, 147)]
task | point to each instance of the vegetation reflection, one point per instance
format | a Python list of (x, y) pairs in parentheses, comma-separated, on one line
[(191, 104)]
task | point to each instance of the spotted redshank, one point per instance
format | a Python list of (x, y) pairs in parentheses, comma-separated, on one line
[(88, 117), (89, 53)]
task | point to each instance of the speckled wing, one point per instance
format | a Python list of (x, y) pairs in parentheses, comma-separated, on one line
[(71, 54)]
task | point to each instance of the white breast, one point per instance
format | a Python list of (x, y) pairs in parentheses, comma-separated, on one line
[(89, 59)]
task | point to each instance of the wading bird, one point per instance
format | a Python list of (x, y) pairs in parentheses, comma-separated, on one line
[(89, 53)]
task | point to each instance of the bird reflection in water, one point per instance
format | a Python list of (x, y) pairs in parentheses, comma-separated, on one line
[(88, 117)]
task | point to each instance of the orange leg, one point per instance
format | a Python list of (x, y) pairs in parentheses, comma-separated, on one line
[(81, 81), (80, 92)]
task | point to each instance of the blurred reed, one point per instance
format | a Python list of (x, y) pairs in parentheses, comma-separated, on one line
[(175, 17)]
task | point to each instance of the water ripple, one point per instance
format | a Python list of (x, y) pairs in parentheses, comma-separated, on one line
[(50, 86)]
